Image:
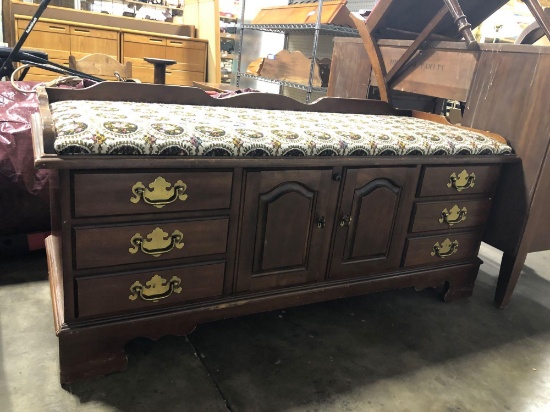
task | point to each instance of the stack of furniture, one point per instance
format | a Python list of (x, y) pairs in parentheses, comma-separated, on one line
[(489, 78)]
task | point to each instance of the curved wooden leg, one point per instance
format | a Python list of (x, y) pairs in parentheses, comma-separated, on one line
[(460, 287), (510, 269)]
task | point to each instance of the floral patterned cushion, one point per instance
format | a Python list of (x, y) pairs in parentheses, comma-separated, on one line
[(126, 128)]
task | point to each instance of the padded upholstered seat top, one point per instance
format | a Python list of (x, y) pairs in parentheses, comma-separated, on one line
[(127, 128)]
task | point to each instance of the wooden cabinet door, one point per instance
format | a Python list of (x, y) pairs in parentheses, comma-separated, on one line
[(286, 228), (372, 220)]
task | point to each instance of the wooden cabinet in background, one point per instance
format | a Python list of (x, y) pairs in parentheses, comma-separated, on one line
[(60, 39), (190, 56)]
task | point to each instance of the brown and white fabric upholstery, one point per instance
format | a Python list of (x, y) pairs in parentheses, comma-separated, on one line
[(127, 128)]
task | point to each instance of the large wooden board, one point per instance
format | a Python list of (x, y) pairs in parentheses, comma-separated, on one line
[(292, 67), (446, 71), (334, 12)]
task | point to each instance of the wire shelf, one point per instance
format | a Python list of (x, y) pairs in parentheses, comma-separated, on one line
[(304, 28), (284, 83)]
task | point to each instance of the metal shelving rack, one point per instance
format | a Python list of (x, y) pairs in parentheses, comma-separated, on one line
[(317, 28)]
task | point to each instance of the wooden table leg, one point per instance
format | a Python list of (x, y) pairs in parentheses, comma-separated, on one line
[(160, 68), (510, 270)]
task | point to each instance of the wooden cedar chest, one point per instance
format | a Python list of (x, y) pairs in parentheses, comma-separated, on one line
[(153, 245)]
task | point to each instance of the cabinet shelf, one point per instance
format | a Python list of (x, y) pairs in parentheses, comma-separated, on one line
[(160, 6), (284, 83), (228, 56), (328, 29)]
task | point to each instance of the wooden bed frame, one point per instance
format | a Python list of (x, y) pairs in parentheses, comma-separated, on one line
[(260, 233)]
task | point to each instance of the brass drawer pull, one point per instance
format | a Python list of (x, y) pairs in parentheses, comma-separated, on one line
[(161, 193), (445, 249), (456, 215), (155, 289), (157, 242), (463, 181)]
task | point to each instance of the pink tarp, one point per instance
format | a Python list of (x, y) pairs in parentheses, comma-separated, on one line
[(24, 198)]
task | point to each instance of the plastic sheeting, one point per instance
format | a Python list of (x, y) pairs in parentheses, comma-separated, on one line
[(24, 197)]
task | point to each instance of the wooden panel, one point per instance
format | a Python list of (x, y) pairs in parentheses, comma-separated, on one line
[(427, 215), (141, 50), (419, 250), (103, 295), (184, 78), (334, 12), (106, 194), (50, 27), (438, 73), (109, 246), (81, 46), (188, 58), (186, 44), (436, 180), (48, 40), (274, 222), (93, 33), (144, 39), (88, 40), (373, 216), (350, 69), (144, 74), (372, 221), (292, 67), (494, 105), (280, 242)]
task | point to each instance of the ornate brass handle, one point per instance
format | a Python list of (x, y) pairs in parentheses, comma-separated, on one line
[(155, 289), (463, 181), (161, 193), (157, 242), (445, 249), (345, 220), (456, 215)]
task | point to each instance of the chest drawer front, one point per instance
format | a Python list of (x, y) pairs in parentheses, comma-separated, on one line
[(144, 39), (139, 50), (450, 214), (94, 33), (46, 27), (155, 242), (149, 290), (134, 193), (453, 180), (441, 249)]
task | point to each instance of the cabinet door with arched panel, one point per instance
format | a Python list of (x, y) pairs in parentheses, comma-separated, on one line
[(286, 226), (372, 220)]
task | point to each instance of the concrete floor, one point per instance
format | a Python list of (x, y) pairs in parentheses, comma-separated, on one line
[(392, 351)]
